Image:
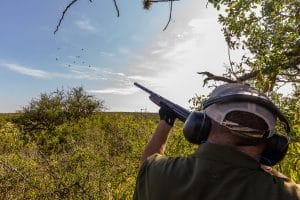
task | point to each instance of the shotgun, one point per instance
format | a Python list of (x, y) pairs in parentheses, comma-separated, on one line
[(180, 112)]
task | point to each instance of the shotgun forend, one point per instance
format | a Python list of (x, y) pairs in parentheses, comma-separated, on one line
[(181, 113)]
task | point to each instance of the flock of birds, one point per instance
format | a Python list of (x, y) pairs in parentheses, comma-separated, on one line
[(77, 61)]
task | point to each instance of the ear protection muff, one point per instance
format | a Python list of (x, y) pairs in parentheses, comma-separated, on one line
[(198, 125), (276, 149)]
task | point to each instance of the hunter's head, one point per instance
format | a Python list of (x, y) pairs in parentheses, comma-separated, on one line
[(238, 115)]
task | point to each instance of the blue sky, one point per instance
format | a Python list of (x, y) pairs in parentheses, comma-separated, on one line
[(105, 54)]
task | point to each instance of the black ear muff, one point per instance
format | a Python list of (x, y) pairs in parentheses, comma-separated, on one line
[(276, 148), (197, 127)]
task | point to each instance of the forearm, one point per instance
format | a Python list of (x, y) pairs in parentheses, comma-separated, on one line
[(157, 142)]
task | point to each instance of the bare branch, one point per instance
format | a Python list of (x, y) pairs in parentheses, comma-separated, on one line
[(170, 15), (243, 78), (117, 8), (158, 1), (147, 3), (247, 76), (211, 76), (63, 14), (230, 61)]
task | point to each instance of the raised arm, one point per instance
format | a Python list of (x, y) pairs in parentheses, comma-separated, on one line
[(158, 141)]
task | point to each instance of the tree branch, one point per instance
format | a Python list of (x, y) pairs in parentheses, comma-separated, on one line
[(243, 78), (211, 76), (170, 15), (247, 76), (63, 14), (147, 3), (117, 8), (157, 1), (230, 61)]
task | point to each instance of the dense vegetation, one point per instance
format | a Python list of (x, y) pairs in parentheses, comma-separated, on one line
[(46, 154), (95, 156), (92, 158)]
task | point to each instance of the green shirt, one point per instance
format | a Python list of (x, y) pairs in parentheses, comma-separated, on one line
[(213, 172)]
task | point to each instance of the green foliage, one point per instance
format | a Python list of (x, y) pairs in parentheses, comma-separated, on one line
[(196, 102), (98, 158), (290, 106), (270, 31), (40, 119)]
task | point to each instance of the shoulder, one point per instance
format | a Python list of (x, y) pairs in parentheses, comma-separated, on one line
[(279, 187), (160, 164), (289, 187), (160, 167), (157, 171)]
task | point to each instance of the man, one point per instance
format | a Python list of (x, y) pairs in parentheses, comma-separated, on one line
[(226, 166)]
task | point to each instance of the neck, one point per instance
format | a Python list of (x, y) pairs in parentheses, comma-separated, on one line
[(227, 140)]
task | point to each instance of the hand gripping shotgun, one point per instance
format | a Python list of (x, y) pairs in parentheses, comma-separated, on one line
[(180, 112)]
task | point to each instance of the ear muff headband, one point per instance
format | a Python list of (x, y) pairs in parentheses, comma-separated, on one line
[(249, 98)]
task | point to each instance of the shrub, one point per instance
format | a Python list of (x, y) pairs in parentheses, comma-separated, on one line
[(44, 114)]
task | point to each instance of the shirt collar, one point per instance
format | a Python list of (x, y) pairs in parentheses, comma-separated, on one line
[(226, 154)]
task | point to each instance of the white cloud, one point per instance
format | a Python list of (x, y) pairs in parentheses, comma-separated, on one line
[(26, 70), (85, 24), (140, 78), (116, 91), (71, 57), (75, 72), (169, 64), (106, 54)]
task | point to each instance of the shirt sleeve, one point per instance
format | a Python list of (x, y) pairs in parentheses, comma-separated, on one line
[(143, 187)]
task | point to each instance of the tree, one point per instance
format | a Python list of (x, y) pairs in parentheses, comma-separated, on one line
[(269, 34), (46, 113)]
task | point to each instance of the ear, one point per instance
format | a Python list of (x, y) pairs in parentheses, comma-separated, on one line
[(197, 127)]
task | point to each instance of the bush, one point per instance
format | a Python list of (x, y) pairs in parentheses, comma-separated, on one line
[(44, 114)]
